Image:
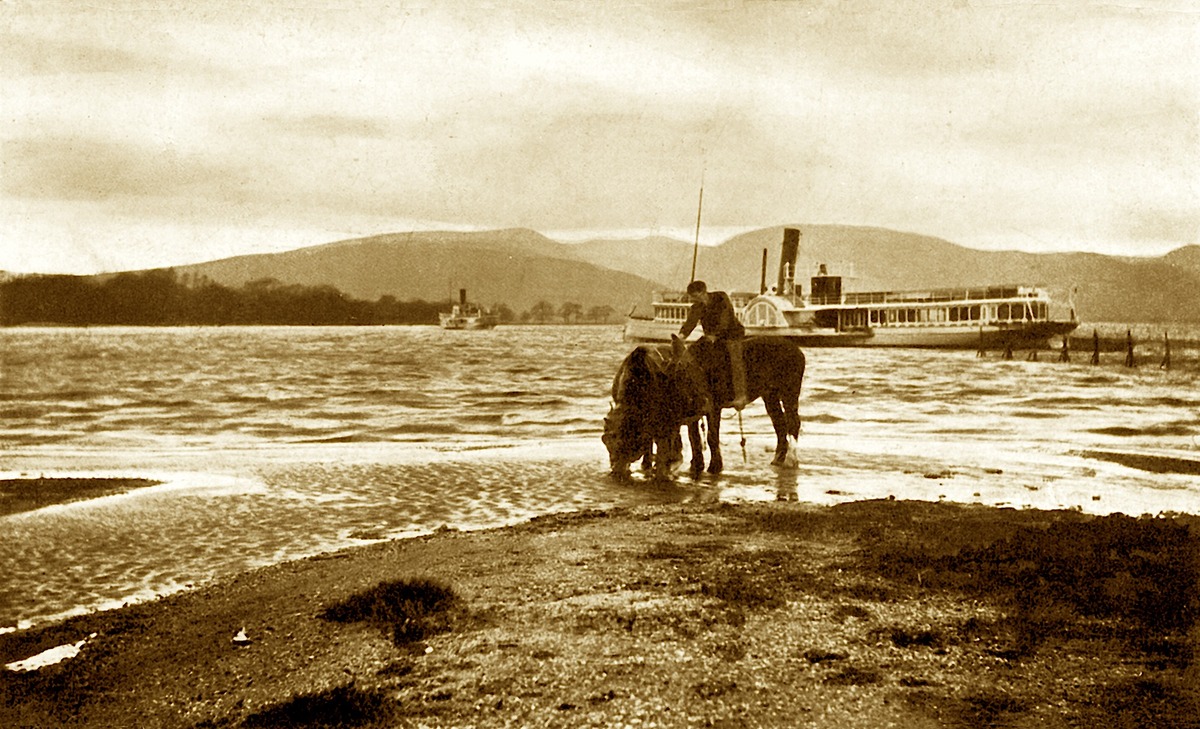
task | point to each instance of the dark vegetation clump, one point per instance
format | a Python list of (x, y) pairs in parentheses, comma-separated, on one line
[(342, 706), (749, 579), (754, 579), (1145, 572), (905, 638), (687, 552), (743, 590), (854, 676), (1141, 702), (411, 610), (795, 523), (989, 709)]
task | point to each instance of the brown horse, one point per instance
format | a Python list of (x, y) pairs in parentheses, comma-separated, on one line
[(774, 373), (657, 391)]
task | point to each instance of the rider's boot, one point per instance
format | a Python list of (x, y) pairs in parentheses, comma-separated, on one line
[(737, 368)]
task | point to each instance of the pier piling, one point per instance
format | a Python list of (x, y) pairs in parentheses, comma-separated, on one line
[(1095, 347), (1166, 362), (1130, 361)]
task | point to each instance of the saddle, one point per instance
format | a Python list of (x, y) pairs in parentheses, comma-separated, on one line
[(713, 358)]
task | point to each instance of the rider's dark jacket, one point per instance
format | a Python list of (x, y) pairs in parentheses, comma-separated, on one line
[(716, 318)]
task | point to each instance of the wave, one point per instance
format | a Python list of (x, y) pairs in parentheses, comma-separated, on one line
[(1161, 430), (366, 437), (22, 413), (1036, 414), (1066, 402), (1153, 463), (423, 429), (819, 418)]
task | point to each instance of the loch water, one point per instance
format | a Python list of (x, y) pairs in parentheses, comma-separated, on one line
[(273, 443)]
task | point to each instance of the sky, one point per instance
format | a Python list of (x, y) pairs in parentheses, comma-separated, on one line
[(152, 133)]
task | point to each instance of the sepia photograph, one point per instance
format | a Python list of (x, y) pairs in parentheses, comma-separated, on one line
[(739, 363)]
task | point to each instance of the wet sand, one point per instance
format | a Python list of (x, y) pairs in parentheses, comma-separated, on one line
[(870, 613), (27, 494)]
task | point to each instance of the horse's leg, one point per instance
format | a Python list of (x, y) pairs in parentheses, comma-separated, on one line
[(697, 446), (668, 450), (779, 423), (716, 464), (791, 407), (675, 451)]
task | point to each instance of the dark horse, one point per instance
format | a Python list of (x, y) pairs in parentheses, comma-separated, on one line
[(655, 394)]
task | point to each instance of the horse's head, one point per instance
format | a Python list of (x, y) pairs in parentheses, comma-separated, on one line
[(626, 433), (625, 443)]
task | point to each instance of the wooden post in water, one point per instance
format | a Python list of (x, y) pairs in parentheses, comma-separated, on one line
[(1008, 353), (980, 353), (1129, 358), (1095, 347), (1065, 354), (1166, 363), (696, 247)]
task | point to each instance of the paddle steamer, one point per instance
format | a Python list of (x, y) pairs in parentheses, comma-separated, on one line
[(467, 316), (1016, 316)]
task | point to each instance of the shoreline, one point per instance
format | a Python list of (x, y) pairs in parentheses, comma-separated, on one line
[(865, 613), (985, 480)]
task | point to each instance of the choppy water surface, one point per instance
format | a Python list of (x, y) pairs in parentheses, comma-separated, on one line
[(274, 443)]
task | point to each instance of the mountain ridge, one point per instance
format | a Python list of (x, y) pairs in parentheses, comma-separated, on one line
[(520, 267), (517, 267)]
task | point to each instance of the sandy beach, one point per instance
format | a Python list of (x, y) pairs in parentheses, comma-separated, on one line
[(868, 614)]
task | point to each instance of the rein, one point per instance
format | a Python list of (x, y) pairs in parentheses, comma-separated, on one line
[(743, 432)]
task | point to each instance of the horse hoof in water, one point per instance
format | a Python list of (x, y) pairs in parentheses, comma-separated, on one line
[(790, 457)]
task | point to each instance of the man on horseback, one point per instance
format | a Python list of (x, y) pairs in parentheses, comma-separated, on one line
[(713, 311)]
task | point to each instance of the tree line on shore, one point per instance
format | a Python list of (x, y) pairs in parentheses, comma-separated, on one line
[(161, 298)]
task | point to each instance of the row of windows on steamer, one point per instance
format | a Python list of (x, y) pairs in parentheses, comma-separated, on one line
[(975, 313), (763, 314), (766, 315)]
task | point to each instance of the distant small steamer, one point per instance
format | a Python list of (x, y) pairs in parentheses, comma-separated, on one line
[(958, 318), (467, 316)]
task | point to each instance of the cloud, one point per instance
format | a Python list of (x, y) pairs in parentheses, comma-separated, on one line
[(328, 126), (88, 169), (1162, 225), (41, 56)]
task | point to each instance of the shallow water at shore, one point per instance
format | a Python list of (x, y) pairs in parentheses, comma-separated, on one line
[(274, 443)]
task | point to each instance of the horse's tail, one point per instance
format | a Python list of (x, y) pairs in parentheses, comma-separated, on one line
[(791, 403)]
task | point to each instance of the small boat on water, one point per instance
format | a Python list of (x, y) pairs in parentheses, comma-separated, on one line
[(464, 315), (992, 317)]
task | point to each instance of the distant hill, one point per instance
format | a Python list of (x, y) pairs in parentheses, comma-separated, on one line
[(1186, 258), (515, 267), (521, 267)]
